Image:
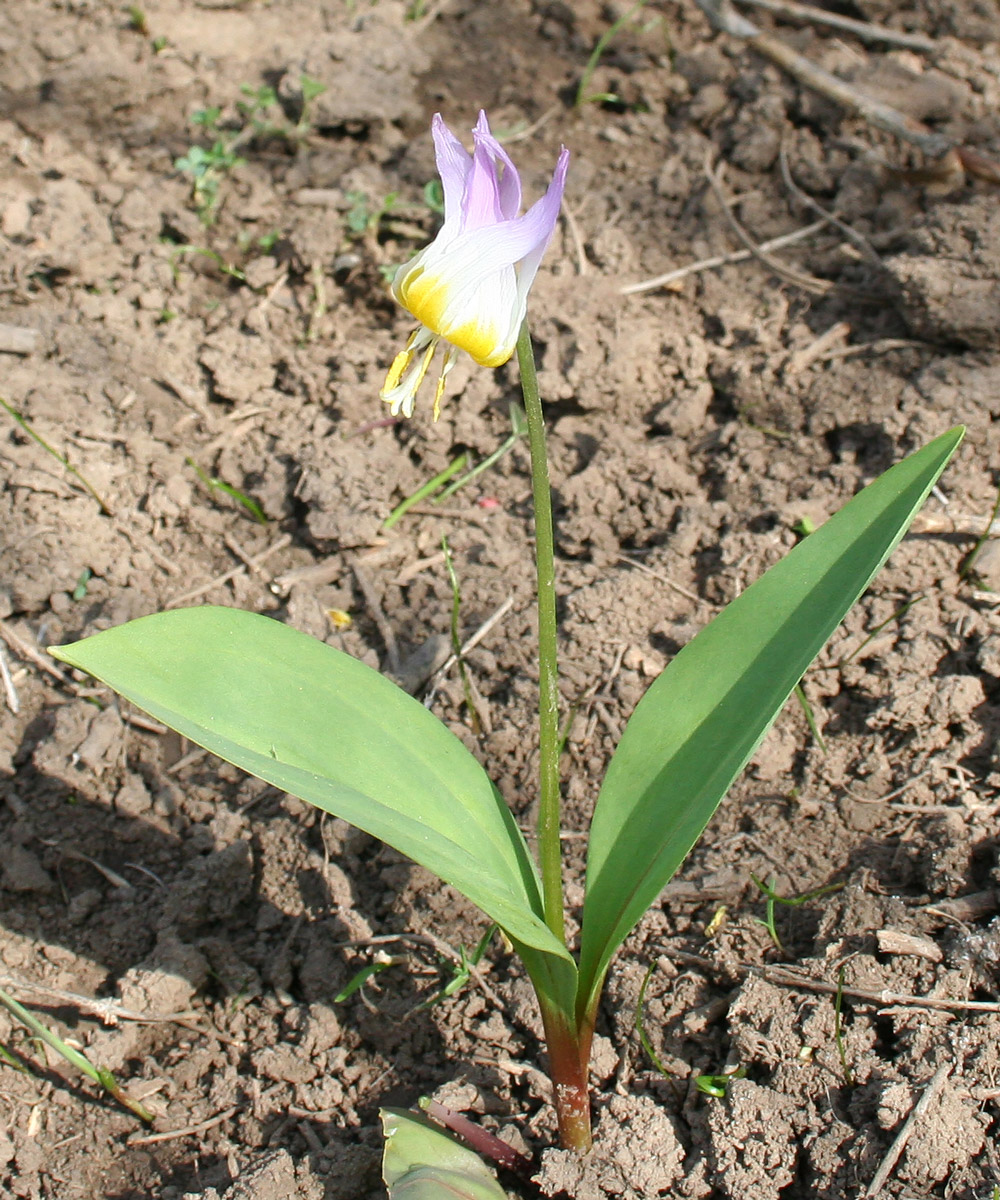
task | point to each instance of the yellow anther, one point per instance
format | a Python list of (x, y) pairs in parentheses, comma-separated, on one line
[(395, 372), (437, 396)]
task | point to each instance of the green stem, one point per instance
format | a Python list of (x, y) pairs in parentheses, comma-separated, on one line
[(549, 846)]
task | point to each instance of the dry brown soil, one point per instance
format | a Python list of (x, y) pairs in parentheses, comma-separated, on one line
[(692, 428)]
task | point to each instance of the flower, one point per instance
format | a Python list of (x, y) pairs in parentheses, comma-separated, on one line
[(469, 287)]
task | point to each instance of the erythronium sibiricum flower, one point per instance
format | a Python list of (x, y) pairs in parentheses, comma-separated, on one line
[(469, 287)]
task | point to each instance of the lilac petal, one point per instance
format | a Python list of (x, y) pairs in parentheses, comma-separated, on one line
[(510, 180), (541, 219), (481, 201), (453, 163)]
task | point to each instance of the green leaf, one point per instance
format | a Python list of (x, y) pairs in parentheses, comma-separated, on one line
[(704, 716), (311, 88), (323, 726), (421, 1162)]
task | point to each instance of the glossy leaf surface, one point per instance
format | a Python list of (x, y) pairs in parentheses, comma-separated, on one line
[(704, 716), (422, 1162), (321, 725)]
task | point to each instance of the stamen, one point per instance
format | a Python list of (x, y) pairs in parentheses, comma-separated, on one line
[(407, 373), (437, 396), (426, 362), (393, 375), (450, 355)]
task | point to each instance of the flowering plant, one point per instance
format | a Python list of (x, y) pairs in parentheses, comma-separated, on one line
[(322, 726)]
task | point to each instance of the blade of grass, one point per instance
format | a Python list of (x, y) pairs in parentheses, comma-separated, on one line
[(461, 970), (425, 490), (519, 427), (838, 1035), (807, 708), (357, 982), (100, 1075), (218, 485), (226, 268), (60, 458), (900, 612), (602, 44), (640, 1024), (12, 1060), (773, 899), (973, 554)]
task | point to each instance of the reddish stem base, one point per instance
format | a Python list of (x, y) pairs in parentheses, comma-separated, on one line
[(569, 1059)]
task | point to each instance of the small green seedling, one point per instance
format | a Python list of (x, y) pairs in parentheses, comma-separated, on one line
[(461, 971), (583, 95), (838, 1031), (259, 116), (717, 1086), (358, 980), (769, 920), (312, 89), (363, 217), (80, 591), (137, 21), (207, 166)]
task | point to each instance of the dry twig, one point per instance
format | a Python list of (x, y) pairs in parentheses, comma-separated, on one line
[(386, 632), (150, 1139), (13, 703), (582, 266), (856, 239), (19, 339), (883, 116), (881, 1176), (220, 580), (28, 653), (665, 579), (474, 639), (884, 999), (868, 32), (109, 1012), (950, 160), (799, 360), (721, 260), (819, 287)]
